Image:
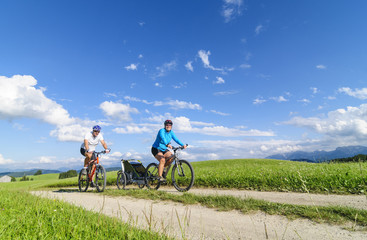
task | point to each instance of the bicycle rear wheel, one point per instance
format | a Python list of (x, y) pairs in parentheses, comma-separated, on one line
[(182, 176), (121, 180), (151, 176), (83, 181), (101, 178)]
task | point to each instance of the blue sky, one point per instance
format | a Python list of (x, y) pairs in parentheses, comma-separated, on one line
[(239, 79)]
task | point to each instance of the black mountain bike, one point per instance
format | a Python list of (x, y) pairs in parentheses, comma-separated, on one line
[(182, 174)]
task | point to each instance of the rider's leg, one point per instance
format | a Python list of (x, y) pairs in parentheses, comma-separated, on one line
[(161, 159), (88, 157), (167, 156)]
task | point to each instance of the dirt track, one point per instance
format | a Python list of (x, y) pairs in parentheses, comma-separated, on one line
[(197, 222)]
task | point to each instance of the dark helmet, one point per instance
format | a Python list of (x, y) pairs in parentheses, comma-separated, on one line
[(167, 122), (97, 128)]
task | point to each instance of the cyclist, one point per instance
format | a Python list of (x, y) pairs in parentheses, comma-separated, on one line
[(160, 151), (91, 140)]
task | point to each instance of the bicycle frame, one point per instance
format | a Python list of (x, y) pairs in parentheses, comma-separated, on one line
[(93, 164), (175, 160)]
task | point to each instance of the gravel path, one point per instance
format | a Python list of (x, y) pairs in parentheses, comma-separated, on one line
[(197, 222)]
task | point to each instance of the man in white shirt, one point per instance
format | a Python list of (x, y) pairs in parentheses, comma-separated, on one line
[(91, 140)]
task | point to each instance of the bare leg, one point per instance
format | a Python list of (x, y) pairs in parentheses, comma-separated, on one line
[(167, 155), (161, 159), (87, 159)]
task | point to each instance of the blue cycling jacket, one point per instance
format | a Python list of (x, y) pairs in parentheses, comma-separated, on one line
[(164, 138)]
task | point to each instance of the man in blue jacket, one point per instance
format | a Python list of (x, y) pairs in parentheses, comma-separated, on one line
[(160, 148)]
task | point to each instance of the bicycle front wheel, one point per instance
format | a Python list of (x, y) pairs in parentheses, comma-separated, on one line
[(121, 180), (151, 176), (83, 181), (101, 178), (182, 176)]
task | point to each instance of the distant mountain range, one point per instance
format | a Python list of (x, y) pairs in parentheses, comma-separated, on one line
[(321, 156)]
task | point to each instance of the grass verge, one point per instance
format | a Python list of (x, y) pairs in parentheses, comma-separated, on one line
[(24, 216), (331, 214)]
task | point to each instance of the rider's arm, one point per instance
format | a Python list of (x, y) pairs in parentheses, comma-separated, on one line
[(176, 139), (104, 144), (86, 145)]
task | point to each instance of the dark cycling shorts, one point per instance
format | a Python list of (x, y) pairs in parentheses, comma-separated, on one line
[(82, 151), (155, 151)]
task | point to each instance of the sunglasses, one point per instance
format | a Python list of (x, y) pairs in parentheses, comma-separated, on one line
[(96, 131)]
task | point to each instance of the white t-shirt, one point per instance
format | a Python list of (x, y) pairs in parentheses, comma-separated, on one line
[(92, 141)]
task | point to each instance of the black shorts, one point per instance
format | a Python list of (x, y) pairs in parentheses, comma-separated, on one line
[(82, 151), (155, 151)]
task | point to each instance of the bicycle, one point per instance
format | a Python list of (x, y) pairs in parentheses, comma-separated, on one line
[(132, 171), (100, 176), (182, 174)]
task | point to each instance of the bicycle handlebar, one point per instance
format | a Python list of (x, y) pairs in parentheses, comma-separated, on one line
[(180, 147), (104, 151)]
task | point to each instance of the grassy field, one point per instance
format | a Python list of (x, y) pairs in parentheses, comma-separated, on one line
[(269, 175), (24, 216), (278, 175), (36, 218)]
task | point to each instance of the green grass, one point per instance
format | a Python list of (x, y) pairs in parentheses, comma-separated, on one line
[(330, 214), (253, 174), (24, 216), (268, 175), (278, 175)]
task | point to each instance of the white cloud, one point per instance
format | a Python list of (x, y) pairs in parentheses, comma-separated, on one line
[(204, 56), (259, 101), (189, 66), (304, 100), (184, 125), (231, 9), (259, 28), (174, 104), (73, 132), (341, 123), (110, 95), (118, 111), (314, 90), (140, 56), (180, 85), (226, 149), (132, 67), (219, 113), (220, 80), (20, 99), (320, 66), (165, 68), (4, 161), (141, 24), (133, 129), (245, 66), (224, 93), (279, 99), (357, 93)]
